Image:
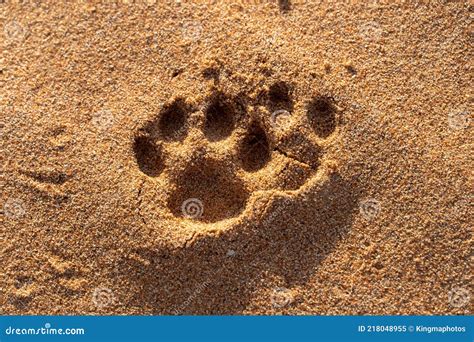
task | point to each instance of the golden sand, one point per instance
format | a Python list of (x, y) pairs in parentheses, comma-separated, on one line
[(236, 157)]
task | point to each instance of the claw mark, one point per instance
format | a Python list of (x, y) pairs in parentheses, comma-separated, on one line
[(46, 182), (47, 176)]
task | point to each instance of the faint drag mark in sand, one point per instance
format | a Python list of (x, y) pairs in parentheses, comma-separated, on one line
[(459, 120), (50, 176), (459, 297), (14, 208), (139, 202), (47, 182), (370, 208), (14, 32), (23, 291)]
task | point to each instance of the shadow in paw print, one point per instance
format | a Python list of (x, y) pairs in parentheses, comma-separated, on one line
[(289, 241), (220, 115), (254, 149), (170, 124), (173, 120), (279, 97), (148, 156), (322, 115), (284, 5), (224, 193)]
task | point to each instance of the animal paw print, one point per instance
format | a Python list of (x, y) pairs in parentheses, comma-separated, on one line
[(205, 162)]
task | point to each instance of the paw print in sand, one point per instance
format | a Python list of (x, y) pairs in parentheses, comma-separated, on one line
[(205, 162)]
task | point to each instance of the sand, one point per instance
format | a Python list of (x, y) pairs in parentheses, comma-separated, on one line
[(215, 157)]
